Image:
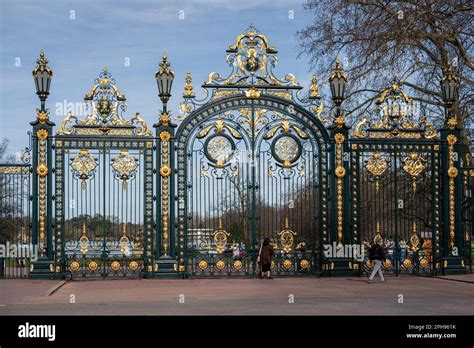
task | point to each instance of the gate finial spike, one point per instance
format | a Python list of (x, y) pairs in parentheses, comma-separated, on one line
[(286, 223), (220, 223), (84, 229)]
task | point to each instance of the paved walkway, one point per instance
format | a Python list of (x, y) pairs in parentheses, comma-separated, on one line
[(321, 296)]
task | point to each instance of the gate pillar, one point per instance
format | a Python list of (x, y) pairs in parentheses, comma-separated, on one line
[(452, 260), (452, 250), (340, 236), (42, 160), (166, 265)]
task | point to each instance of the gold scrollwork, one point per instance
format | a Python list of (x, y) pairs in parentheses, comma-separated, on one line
[(377, 166), (287, 237), (124, 166), (220, 238), (340, 173), (414, 239), (452, 174), (165, 172), (84, 240), (83, 164), (286, 126), (42, 170), (142, 129), (414, 165)]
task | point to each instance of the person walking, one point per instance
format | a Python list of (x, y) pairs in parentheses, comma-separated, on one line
[(376, 255), (265, 258)]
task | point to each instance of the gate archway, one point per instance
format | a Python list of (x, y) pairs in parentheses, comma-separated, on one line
[(252, 163)]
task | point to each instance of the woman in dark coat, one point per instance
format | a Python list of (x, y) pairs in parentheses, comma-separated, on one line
[(265, 257)]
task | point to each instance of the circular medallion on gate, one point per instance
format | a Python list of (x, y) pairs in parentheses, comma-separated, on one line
[(286, 149), (220, 265), (92, 265), (133, 265), (287, 264), (238, 264), (407, 263), (219, 149), (115, 266), (387, 263), (75, 266), (304, 264), (424, 262), (202, 265)]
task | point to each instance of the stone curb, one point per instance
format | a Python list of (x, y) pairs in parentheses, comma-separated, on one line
[(55, 288)]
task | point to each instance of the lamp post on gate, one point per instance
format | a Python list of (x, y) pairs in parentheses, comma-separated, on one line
[(42, 164), (166, 265), (339, 178), (452, 260)]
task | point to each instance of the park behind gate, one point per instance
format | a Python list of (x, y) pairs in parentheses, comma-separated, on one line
[(108, 196)]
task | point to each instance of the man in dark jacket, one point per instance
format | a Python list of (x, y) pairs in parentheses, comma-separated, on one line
[(265, 258), (377, 255)]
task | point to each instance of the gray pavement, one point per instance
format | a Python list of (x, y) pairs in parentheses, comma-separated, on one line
[(293, 296)]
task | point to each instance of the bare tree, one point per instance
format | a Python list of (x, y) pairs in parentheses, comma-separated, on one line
[(413, 40)]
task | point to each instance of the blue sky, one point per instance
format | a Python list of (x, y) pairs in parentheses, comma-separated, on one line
[(106, 33)]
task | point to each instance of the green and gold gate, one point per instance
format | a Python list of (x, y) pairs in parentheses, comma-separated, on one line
[(252, 164), (253, 159), (104, 189)]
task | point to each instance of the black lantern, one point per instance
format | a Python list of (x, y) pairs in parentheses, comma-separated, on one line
[(449, 86), (42, 75), (164, 79), (338, 83)]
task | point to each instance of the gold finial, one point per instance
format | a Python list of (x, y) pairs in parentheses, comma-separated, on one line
[(105, 69), (124, 230), (314, 89), (414, 227), (84, 229), (42, 65), (188, 87), (220, 223), (337, 72), (286, 223), (165, 66)]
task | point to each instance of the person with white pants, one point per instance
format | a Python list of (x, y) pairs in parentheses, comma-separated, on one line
[(376, 255)]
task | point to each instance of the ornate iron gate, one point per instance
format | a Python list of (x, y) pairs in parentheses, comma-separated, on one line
[(252, 164), (253, 159), (104, 189)]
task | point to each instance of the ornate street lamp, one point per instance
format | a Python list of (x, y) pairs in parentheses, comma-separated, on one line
[(449, 88), (42, 75), (338, 83), (164, 79)]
